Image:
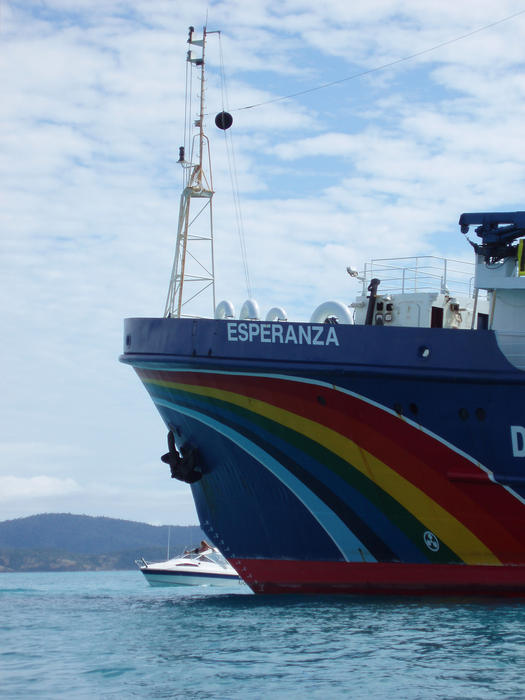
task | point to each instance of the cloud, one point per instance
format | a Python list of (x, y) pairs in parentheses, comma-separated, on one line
[(35, 488)]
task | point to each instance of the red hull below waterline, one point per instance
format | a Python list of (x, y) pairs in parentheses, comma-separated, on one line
[(323, 577)]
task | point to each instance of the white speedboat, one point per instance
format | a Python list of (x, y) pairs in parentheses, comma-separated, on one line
[(195, 567)]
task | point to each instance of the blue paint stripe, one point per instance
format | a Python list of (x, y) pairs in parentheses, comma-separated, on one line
[(195, 574), (351, 548), (365, 510)]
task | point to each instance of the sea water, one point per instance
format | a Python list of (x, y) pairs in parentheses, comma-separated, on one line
[(109, 635)]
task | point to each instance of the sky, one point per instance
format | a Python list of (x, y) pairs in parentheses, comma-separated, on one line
[(92, 117)]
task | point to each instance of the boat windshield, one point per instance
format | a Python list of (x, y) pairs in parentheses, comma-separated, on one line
[(216, 558), (209, 555)]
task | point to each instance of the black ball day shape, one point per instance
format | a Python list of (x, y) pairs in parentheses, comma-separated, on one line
[(223, 120)]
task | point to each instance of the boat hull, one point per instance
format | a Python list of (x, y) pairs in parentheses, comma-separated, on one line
[(379, 460), (182, 578), (294, 577)]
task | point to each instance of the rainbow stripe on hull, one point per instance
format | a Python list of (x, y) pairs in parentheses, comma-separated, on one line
[(315, 479)]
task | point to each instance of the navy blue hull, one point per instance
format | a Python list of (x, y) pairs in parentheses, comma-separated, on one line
[(348, 444)]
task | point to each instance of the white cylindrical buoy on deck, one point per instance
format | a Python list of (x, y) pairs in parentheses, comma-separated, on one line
[(250, 311), (276, 313), (332, 309), (225, 309)]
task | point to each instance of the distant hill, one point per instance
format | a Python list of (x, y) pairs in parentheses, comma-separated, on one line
[(66, 542)]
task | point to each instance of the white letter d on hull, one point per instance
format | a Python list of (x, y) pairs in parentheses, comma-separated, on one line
[(517, 434)]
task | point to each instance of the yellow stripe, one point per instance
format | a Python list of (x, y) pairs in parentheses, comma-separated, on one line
[(445, 526), (521, 258)]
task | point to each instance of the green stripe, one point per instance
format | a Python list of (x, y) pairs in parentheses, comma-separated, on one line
[(383, 501)]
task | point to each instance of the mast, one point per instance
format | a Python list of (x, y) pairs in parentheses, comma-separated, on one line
[(193, 272)]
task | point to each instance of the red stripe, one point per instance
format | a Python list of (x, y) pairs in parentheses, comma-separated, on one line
[(285, 576), (485, 508)]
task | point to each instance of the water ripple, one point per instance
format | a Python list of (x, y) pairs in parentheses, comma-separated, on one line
[(108, 635)]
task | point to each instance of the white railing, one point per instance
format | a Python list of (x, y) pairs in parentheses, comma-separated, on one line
[(425, 273)]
